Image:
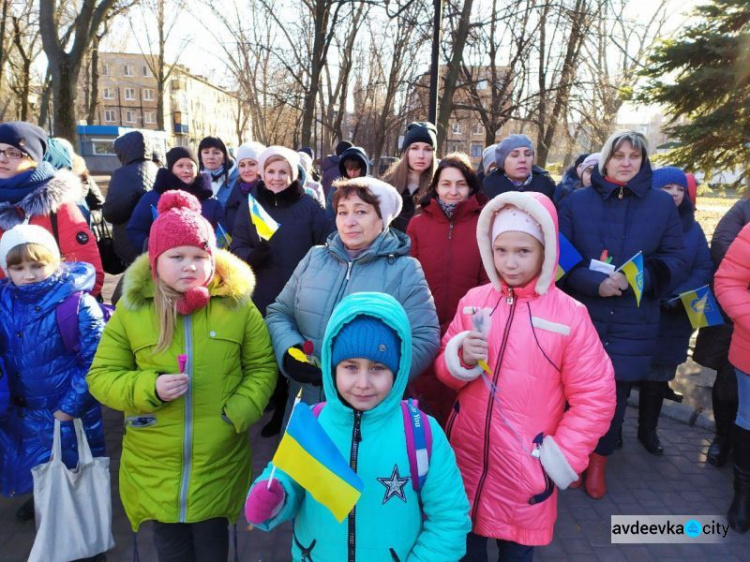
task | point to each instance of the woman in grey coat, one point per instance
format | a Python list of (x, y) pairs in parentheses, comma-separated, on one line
[(364, 254)]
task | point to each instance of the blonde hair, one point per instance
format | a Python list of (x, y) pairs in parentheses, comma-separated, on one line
[(278, 158), (398, 176), (615, 142), (31, 252), (165, 303)]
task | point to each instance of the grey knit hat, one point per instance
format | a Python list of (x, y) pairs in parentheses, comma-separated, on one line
[(509, 144)]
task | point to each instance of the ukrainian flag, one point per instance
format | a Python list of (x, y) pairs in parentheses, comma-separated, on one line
[(223, 239), (264, 223), (633, 271), (569, 257), (308, 456), (701, 307)]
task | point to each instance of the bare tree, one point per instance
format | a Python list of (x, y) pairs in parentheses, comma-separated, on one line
[(26, 43)]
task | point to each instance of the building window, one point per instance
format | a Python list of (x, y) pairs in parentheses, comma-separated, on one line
[(456, 128), (478, 129), (129, 116), (149, 117), (148, 94), (128, 70), (106, 70), (455, 147), (108, 94), (482, 85), (476, 150), (109, 116), (146, 71), (130, 94), (102, 147)]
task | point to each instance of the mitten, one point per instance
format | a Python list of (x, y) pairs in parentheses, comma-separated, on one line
[(264, 501), (259, 254), (302, 372)]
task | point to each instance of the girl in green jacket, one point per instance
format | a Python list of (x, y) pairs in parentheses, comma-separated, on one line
[(187, 358)]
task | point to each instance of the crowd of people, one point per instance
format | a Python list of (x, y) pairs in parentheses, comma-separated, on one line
[(251, 281)]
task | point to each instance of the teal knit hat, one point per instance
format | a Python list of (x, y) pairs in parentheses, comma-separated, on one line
[(366, 337)]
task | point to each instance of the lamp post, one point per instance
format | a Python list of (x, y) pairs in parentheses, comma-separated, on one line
[(437, 25)]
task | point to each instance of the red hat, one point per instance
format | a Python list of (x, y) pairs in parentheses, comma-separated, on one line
[(692, 188)]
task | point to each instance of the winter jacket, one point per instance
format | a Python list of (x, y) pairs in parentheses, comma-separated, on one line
[(388, 523), (354, 153), (56, 196), (731, 285), (44, 376), (595, 219), (497, 182), (4, 390), (569, 183), (142, 218), (327, 274), (187, 460), (303, 224), (553, 379), (675, 329), (127, 185), (330, 169)]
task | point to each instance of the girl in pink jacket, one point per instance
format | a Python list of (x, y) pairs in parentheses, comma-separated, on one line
[(514, 439)]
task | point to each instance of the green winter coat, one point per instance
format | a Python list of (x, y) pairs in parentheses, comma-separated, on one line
[(187, 460)]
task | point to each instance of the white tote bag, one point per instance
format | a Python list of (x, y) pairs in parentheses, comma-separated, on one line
[(73, 507)]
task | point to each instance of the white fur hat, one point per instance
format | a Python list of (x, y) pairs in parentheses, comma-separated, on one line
[(306, 161), (287, 154), (389, 199), (26, 234), (250, 150)]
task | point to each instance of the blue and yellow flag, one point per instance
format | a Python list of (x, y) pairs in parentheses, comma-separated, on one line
[(633, 271), (701, 307), (569, 257), (311, 459), (264, 223), (223, 239), (154, 213)]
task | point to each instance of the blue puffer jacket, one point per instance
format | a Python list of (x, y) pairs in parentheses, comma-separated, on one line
[(595, 219), (388, 522), (4, 388), (674, 326), (44, 376)]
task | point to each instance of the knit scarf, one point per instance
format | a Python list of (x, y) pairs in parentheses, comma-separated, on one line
[(448, 208), (524, 183), (19, 186), (245, 188), (216, 174)]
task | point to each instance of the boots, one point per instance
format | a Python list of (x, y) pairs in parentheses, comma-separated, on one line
[(739, 511), (724, 413), (596, 486), (649, 409)]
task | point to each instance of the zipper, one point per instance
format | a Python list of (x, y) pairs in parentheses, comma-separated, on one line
[(447, 268), (621, 193), (187, 437), (349, 270), (356, 438), (452, 419), (450, 230), (490, 410)]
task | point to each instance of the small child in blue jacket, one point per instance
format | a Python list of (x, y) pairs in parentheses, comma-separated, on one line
[(366, 357)]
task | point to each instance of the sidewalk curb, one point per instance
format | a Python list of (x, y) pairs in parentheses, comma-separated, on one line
[(680, 412)]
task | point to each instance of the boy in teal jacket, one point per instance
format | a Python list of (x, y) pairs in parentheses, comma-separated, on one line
[(366, 357)]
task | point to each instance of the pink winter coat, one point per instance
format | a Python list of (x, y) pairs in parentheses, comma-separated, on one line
[(543, 352), (731, 283)]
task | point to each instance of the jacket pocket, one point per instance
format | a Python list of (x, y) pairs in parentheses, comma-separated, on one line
[(140, 422), (452, 418)]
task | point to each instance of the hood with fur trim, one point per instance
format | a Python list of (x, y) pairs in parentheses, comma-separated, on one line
[(233, 280), (64, 187), (541, 208)]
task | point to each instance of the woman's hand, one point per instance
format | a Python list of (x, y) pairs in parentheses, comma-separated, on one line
[(171, 387), (613, 286), (474, 348), (62, 416)]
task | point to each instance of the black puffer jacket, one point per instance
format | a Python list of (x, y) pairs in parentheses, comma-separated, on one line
[(127, 185), (497, 182)]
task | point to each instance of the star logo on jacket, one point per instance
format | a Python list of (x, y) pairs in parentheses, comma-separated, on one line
[(394, 486)]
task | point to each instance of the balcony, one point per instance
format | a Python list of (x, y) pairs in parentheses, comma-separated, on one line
[(181, 129)]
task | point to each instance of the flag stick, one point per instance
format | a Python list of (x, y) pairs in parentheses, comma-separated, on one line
[(297, 400)]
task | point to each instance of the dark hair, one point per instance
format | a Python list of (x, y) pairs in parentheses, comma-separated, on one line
[(215, 142), (345, 188), (460, 161), (352, 164)]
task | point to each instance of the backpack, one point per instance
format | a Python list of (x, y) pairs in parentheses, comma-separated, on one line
[(418, 434), (66, 315)]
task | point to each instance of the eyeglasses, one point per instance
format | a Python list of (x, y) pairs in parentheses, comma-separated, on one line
[(13, 154)]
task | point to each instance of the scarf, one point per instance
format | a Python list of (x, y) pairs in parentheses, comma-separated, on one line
[(448, 208), (216, 174), (19, 186), (520, 184), (245, 188)]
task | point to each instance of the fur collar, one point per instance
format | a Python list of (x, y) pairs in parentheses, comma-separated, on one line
[(233, 280), (64, 187), (201, 186)]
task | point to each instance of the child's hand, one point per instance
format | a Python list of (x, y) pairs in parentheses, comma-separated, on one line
[(264, 501), (171, 387), (610, 287), (474, 348), (62, 416)]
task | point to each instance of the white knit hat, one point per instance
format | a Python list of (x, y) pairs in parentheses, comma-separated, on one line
[(389, 199), (287, 154), (513, 219), (250, 150), (26, 234), (306, 161)]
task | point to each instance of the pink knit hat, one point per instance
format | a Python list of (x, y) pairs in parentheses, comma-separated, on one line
[(513, 219), (180, 223)]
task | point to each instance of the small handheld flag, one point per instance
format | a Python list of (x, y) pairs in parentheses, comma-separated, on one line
[(701, 307), (264, 223), (223, 239), (311, 459), (633, 271), (154, 213), (569, 257)]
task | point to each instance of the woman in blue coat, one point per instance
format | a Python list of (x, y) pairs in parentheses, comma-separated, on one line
[(616, 217), (674, 326)]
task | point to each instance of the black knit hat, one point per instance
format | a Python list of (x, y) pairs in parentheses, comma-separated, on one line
[(26, 137), (342, 146), (177, 153), (420, 131)]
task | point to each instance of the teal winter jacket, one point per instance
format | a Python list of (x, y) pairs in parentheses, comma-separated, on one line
[(388, 522)]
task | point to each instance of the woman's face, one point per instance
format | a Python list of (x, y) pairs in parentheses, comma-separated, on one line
[(248, 170), (586, 177), (676, 191), (419, 156), (452, 187), (212, 158), (624, 163), (185, 169), (357, 222), (518, 163), (277, 176), (13, 161)]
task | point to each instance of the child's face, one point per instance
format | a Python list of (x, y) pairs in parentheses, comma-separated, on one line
[(353, 171), (363, 383), (676, 191), (518, 257), (28, 272), (184, 267)]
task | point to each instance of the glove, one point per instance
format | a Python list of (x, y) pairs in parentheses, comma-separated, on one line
[(302, 372), (264, 502), (671, 305), (259, 254)]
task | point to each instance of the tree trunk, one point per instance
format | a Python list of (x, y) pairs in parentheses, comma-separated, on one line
[(3, 54), (94, 92), (65, 96)]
